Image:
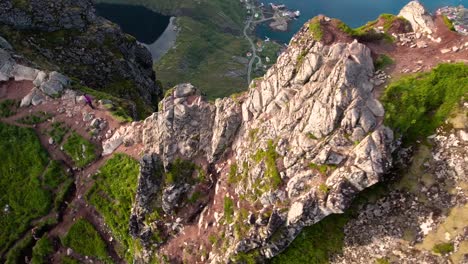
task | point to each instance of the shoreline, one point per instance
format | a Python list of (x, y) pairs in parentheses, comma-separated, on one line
[(165, 42)]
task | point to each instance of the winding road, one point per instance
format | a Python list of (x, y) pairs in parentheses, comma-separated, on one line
[(252, 45)]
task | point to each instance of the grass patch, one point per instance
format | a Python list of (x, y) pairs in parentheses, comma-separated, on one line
[(23, 160), (316, 243), (58, 131), (54, 175), (383, 61), (80, 150), (113, 195), (416, 105), (41, 251), (367, 31), (315, 28), (68, 260), (443, 248), (228, 209), (8, 108), (35, 118), (448, 23), (324, 188), (85, 240), (382, 261), (233, 177)]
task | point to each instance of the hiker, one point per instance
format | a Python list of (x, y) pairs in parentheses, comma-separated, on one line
[(89, 101)]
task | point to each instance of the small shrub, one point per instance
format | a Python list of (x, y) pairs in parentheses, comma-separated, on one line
[(180, 171), (443, 248)]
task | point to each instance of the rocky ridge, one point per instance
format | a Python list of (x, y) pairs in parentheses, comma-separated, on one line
[(302, 142)]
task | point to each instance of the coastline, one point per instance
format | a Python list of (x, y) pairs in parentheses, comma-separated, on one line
[(165, 42)]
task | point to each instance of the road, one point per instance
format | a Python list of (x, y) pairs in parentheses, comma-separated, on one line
[(252, 45)]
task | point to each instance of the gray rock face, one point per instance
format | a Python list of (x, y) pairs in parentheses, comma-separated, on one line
[(46, 16), (420, 19), (304, 121), (87, 47)]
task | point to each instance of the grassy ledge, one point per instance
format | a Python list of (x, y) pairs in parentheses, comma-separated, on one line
[(80, 150)]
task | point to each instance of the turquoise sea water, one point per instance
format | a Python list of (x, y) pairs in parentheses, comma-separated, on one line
[(353, 12)]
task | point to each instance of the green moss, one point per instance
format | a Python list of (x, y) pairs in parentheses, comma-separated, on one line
[(112, 195), (8, 108), (80, 150), (324, 188), (247, 258), (68, 260), (416, 105), (253, 133), (315, 28), (21, 4), (448, 23), (443, 248), (228, 209), (311, 136), (194, 197), (41, 251), (85, 240)]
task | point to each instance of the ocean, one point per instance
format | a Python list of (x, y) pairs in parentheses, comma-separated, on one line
[(353, 12)]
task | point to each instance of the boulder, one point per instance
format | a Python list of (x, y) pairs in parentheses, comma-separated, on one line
[(420, 19)]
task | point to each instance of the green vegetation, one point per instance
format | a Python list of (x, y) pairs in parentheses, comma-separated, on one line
[(324, 188), (58, 131), (80, 150), (69, 260), (316, 243), (448, 23), (20, 169), (35, 118), (322, 168), (8, 108), (443, 248), (21, 4), (41, 251), (14, 254), (382, 261), (232, 177), (247, 258), (416, 105), (382, 61), (367, 32), (85, 240), (54, 175), (228, 209), (121, 109), (180, 171), (113, 195), (271, 171), (315, 27)]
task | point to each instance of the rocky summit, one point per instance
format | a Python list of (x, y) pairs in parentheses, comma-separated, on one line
[(301, 144), (350, 149)]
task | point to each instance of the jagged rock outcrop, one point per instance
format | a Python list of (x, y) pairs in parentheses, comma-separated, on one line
[(420, 19), (70, 38), (300, 144)]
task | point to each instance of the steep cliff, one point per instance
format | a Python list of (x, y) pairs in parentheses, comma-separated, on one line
[(304, 140), (69, 37)]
